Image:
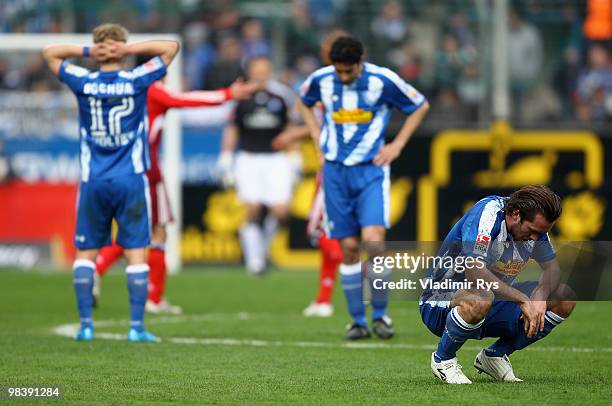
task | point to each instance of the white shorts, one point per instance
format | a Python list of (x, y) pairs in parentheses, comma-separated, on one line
[(264, 178)]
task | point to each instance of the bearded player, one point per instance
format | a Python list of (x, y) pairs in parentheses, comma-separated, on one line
[(159, 100), (503, 233)]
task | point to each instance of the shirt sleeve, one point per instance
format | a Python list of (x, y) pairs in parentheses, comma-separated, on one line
[(310, 91), (543, 250), (169, 98), (146, 74), (479, 231), (72, 75), (400, 94)]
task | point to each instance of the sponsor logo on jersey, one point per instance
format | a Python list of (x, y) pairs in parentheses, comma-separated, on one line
[(356, 116), (510, 268), (482, 244)]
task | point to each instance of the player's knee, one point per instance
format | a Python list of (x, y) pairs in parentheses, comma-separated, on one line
[(159, 234), (475, 307), (350, 250), (252, 212), (565, 301), (280, 211), (374, 234)]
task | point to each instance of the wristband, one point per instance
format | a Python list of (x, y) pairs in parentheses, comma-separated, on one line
[(86, 50)]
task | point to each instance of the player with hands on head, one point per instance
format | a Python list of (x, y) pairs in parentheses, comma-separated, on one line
[(114, 160)]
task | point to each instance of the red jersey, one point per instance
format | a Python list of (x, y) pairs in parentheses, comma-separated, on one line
[(159, 100)]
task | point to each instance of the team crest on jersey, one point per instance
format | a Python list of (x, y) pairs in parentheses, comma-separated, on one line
[(482, 244), (356, 116)]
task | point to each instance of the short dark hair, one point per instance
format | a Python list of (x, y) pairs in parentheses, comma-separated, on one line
[(530, 200), (346, 49)]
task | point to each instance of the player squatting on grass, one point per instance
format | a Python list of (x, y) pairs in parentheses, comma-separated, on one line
[(504, 232), (114, 158)]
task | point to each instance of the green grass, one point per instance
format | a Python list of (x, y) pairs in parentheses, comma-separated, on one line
[(558, 370)]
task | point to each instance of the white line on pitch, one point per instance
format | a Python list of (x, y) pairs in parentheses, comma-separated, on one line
[(69, 330)]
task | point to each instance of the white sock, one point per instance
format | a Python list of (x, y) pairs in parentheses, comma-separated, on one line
[(252, 239), (270, 227)]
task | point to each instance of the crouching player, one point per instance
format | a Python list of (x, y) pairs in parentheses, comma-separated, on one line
[(503, 234), (114, 158)]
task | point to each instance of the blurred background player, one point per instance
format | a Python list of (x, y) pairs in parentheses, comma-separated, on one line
[(505, 232), (114, 159), (331, 257), (357, 99), (159, 101), (264, 176), (331, 253)]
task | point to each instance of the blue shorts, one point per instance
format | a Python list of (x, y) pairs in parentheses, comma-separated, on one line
[(502, 320), (355, 197), (126, 199)]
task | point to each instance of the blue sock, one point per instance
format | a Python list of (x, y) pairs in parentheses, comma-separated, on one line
[(379, 297), (352, 284), (456, 333), (137, 282), (507, 345), (83, 279)]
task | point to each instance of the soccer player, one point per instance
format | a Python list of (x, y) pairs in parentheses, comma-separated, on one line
[(503, 232), (331, 258), (159, 101), (264, 176), (357, 98), (114, 157)]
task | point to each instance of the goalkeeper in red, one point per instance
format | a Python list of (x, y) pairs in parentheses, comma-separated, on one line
[(159, 100)]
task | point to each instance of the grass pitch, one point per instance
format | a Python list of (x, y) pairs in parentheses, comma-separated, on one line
[(243, 340)]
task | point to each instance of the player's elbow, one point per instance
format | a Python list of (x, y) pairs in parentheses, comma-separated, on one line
[(48, 53), (425, 107), (171, 51)]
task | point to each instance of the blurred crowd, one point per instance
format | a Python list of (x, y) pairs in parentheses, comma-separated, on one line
[(559, 50)]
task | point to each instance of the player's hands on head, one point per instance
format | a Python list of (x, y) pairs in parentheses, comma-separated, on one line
[(242, 90), (108, 50), (100, 52), (118, 49), (387, 154)]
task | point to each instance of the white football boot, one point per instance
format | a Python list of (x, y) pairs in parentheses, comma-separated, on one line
[(319, 310), (163, 307), (498, 368), (448, 371)]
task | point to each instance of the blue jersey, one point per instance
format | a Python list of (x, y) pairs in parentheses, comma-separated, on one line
[(355, 116), (112, 117), (482, 233)]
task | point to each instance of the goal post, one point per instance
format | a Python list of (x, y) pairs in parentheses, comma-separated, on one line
[(172, 128)]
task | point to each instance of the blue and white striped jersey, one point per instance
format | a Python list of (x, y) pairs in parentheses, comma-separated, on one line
[(355, 116), (482, 233), (112, 117)]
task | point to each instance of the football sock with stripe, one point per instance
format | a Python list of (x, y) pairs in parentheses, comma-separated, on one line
[(137, 282), (379, 297), (456, 333), (352, 284), (83, 278), (507, 345)]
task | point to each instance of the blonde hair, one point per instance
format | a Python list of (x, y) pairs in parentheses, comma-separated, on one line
[(110, 31)]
